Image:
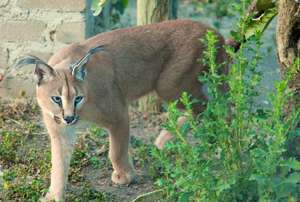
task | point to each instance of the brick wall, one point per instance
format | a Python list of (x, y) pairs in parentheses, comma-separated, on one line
[(38, 27)]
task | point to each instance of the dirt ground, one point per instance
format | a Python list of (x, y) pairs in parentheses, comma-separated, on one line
[(89, 175)]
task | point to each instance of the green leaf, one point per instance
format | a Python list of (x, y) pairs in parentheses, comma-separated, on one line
[(258, 25), (185, 128), (222, 187), (259, 178), (124, 3), (293, 178), (185, 197), (295, 132), (97, 6), (292, 164)]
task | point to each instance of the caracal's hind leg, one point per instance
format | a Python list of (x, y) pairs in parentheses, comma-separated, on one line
[(62, 143), (170, 91), (165, 135)]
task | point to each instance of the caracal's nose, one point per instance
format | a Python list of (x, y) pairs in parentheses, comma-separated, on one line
[(69, 119)]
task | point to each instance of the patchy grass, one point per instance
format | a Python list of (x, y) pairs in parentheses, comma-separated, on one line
[(25, 158)]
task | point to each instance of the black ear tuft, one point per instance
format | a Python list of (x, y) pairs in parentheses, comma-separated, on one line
[(42, 72), (78, 68)]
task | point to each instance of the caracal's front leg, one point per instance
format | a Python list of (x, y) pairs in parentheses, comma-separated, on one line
[(62, 143), (118, 152)]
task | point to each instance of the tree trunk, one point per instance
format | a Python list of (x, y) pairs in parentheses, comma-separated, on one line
[(288, 46), (288, 35), (152, 11)]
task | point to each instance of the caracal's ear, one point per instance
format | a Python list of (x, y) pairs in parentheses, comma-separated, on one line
[(43, 72), (78, 68)]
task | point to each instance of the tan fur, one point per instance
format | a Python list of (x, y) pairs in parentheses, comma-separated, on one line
[(159, 57)]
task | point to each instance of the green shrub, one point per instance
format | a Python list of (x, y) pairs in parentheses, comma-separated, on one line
[(234, 150)]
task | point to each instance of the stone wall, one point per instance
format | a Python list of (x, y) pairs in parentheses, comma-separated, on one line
[(37, 27), (41, 27)]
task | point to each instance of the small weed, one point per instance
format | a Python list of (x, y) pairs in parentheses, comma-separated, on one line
[(9, 141), (98, 132), (25, 159), (88, 193), (17, 184)]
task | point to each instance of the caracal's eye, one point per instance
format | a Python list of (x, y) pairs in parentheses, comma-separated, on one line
[(56, 99), (78, 99)]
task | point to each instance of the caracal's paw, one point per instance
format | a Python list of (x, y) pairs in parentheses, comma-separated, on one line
[(123, 178), (163, 137), (51, 198)]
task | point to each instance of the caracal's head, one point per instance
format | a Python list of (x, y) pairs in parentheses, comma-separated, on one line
[(61, 90), (61, 95)]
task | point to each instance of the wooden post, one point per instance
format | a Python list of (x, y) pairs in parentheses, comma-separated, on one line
[(152, 11), (288, 46), (288, 37)]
